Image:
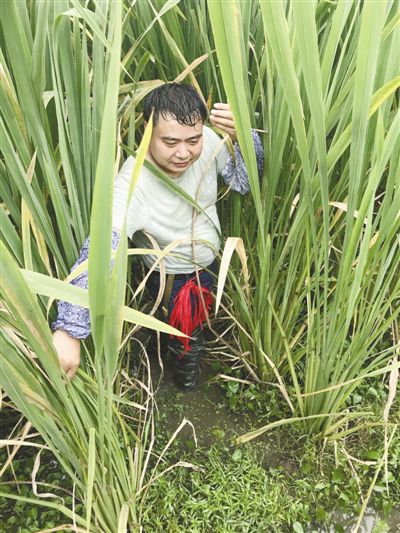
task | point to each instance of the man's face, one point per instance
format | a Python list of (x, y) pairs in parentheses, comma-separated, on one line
[(175, 147)]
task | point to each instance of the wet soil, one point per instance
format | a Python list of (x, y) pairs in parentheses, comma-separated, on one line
[(206, 409), (214, 422)]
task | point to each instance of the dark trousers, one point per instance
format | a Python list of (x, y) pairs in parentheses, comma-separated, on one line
[(207, 280)]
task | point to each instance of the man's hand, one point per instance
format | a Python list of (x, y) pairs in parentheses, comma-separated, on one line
[(68, 351), (221, 117)]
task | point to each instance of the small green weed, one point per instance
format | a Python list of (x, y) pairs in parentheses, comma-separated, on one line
[(21, 517), (231, 493), (234, 491)]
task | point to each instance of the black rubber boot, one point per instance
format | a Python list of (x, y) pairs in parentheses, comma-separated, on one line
[(187, 364)]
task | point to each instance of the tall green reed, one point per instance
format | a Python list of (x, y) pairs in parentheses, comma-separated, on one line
[(59, 121), (323, 238)]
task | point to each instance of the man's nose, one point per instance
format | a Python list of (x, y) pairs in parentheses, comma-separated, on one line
[(182, 151)]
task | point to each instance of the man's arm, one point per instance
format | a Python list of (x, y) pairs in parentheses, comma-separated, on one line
[(235, 173), (73, 321)]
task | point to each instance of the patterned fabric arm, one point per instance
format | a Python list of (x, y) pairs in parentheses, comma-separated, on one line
[(71, 318), (235, 172)]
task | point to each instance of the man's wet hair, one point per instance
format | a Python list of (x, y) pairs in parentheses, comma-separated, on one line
[(177, 100)]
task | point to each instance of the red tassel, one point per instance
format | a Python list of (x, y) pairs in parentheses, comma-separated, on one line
[(181, 317)]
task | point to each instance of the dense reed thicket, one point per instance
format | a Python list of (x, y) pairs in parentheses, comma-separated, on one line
[(322, 238), (319, 309), (60, 96)]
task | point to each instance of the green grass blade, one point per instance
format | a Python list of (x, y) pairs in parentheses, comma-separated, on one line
[(101, 216), (90, 474)]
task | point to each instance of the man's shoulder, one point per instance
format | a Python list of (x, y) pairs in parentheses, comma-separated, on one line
[(210, 136), (214, 148), (212, 140), (129, 162), (127, 168)]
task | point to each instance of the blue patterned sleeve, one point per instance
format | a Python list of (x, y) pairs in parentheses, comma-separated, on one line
[(235, 172), (71, 318)]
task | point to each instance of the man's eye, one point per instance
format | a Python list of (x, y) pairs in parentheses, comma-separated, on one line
[(170, 144), (194, 142)]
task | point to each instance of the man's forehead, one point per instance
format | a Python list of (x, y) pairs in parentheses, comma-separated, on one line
[(172, 138), (170, 128)]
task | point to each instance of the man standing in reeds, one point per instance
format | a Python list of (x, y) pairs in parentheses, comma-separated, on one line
[(192, 155)]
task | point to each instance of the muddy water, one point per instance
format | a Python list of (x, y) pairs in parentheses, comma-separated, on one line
[(206, 409), (370, 523), (215, 423)]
